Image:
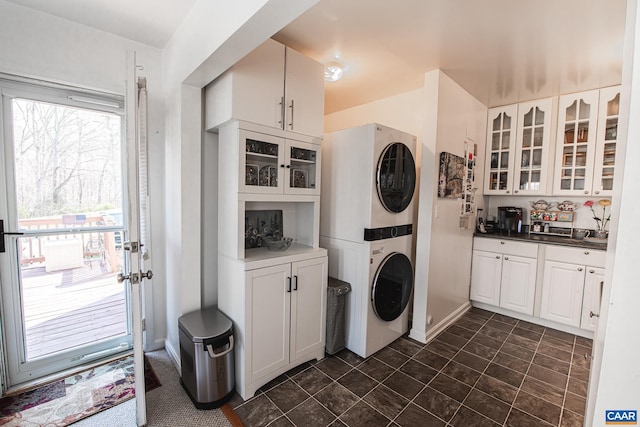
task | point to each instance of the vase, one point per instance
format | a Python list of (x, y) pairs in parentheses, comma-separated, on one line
[(600, 234)]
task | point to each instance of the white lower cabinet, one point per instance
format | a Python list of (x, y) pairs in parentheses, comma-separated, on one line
[(571, 286), (562, 291), (506, 279), (593, 284), (279, 316)]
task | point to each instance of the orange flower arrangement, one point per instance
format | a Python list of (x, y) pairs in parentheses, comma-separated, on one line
[(601, 222)]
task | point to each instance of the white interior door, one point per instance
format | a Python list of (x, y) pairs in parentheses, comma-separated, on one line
[(133, 248)]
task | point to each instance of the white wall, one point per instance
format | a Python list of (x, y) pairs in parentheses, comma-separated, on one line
[(212, 37), (34, 44), (459, 116), (441, 115), (615, 372)]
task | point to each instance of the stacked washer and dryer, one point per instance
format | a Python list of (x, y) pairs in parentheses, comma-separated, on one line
[(366, 224)]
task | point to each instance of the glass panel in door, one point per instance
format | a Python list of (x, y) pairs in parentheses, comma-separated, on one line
[(303, 167), (531, 149), (261, 167), (64, 186), (499, 155)]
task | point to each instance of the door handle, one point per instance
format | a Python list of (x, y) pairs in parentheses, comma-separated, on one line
[(291, 124), (7, 233)]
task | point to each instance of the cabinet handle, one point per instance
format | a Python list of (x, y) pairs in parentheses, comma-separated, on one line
[(592, 314), (508, 191), (281, 121), (515, 191), (579, 268), (592, 271), (282, 165), (586, 252), (502, 242), (597, 191), (497, 256), (291, 124), (586, 192), (289, 285), (506, 258), (295, 287)]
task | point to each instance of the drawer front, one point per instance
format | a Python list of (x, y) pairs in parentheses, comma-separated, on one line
[(576, 255), (506, 247)]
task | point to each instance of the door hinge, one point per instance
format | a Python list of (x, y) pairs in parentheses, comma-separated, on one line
[(144, 324), (134, 247)]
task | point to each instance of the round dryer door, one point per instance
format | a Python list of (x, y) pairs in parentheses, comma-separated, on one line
[(392, 286), (396, 177)]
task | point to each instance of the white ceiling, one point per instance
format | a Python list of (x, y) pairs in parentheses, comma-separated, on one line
[(500, 51)]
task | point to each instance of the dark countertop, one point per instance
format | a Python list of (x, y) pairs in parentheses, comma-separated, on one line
[(549, 240)]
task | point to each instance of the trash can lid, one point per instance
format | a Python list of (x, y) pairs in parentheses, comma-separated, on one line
[(204, 324)]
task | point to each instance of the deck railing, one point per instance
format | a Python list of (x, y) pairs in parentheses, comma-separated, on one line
[(95, 244)]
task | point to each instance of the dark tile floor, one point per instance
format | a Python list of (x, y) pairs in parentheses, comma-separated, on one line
[(485, 370)]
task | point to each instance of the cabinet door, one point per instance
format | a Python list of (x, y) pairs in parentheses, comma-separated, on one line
[(258, 85), (267, 331), (531, 165), (605, 157), (501, 136), (262, 164), (486, 271), (304, 94), (302, 171), (575, 143), (592, 295), (518, 286), (562, 290), (308, 306)]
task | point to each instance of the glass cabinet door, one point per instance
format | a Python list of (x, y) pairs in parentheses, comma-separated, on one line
[(575, 144), (532, 147), (605, 156), (261, 157), (303, 168), (501, 132)]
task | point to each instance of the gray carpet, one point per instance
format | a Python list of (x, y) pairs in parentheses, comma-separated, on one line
[(168, 405)]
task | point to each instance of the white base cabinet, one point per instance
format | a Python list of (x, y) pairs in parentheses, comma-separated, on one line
[(562, 291), (571, 286), (506, 275), (279, 315), (591, 300)]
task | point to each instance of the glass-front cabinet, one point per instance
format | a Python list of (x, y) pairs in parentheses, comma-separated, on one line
[(275, 165), (606, 141), (501, 134), (576, 143), (531, 164), (518, 146)]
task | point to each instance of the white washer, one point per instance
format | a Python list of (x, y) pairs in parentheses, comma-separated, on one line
[(381, 276), (368, 180)]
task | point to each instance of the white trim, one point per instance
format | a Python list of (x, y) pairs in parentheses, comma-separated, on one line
[(440, 326)]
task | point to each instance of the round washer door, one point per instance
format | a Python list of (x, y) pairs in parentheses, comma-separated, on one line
[(392, 286), (396, 177)]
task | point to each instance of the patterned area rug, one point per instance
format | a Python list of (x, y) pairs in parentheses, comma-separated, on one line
[(78, 396)]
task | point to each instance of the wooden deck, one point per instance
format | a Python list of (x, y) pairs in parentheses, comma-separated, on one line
[(72, 307)]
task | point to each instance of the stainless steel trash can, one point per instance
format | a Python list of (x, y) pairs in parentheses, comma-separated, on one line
[(336, 306), (207, 357)]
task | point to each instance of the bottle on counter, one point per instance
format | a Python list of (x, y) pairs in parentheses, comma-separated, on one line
[(546, 227)]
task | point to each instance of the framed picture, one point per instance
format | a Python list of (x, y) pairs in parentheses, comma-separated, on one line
[(452, 174)]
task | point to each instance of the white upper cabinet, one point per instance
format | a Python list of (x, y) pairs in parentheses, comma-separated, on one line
[(501, 136), (533, 140), (576, 143), (606, 141), (273, 86), (518, 149)]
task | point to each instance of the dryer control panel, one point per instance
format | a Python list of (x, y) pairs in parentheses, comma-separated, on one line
[(373, 234)]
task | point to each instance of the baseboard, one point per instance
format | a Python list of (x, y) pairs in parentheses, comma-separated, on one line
[(174, 356), (447, 321)]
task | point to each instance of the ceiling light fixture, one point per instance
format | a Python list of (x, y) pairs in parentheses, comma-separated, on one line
[(332, 72)]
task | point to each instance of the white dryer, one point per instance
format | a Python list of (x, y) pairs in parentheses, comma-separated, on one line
[(380, 272), (368, 180)]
